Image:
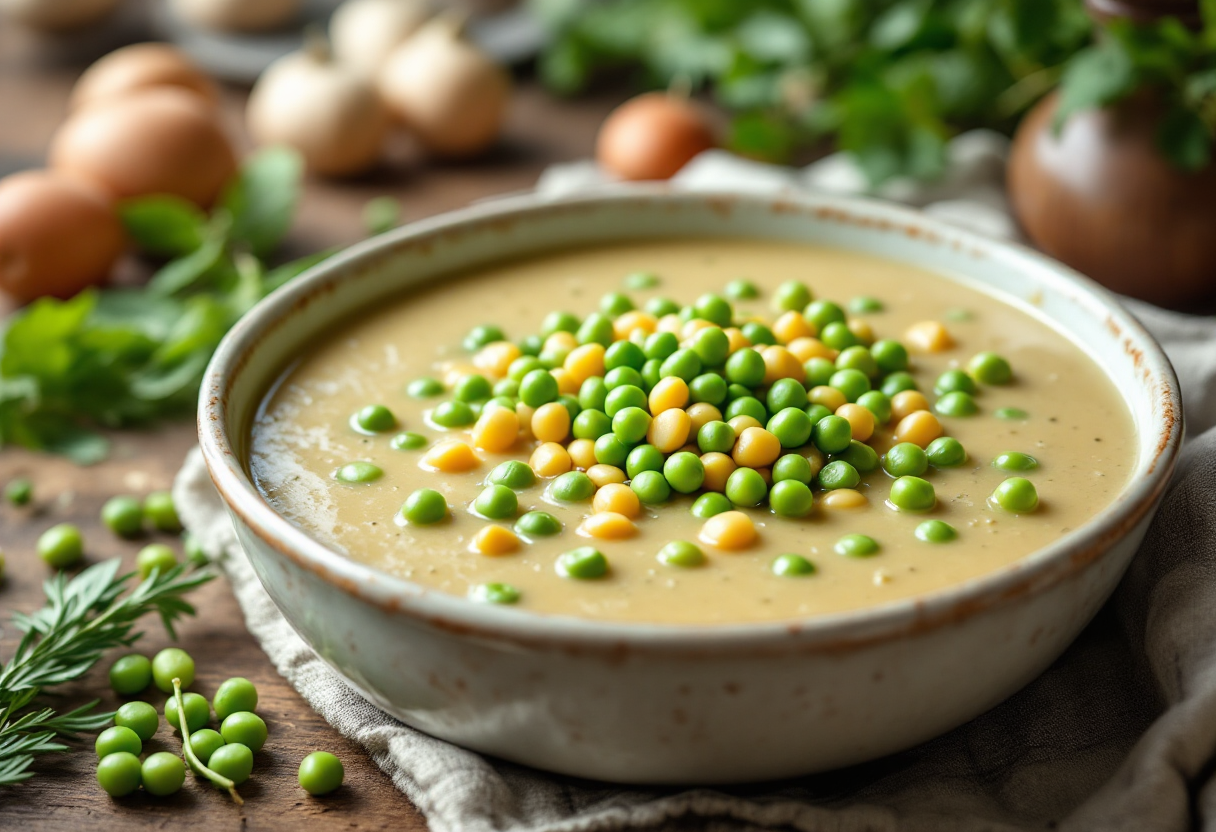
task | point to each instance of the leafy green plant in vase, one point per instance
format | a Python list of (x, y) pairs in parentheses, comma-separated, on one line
[(1113, 173)]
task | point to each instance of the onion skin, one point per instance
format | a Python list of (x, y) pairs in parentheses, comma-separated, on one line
[(160, 141), (139, 67), (364, 33), (57, 236), (652, 136)]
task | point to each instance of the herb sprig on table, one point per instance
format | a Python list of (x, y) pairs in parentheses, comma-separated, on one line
[(128, 356), (84, 617)]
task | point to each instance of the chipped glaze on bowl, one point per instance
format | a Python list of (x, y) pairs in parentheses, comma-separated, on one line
[(684, 704)]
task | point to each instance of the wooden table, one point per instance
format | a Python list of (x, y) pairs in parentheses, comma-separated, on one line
[(64, 793)]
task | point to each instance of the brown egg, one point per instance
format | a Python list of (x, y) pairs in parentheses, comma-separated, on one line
[(159, 141), (57, 235), (653, 136), (136, 68)]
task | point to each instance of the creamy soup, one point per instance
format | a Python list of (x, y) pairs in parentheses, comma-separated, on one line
[(1058, 409)]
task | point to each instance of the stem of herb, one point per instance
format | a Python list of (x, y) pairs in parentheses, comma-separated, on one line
[(188, 750)]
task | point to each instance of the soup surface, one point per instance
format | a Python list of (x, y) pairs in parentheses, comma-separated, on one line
[(1071, 420)]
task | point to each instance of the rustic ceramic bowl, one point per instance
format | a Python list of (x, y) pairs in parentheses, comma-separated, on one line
[(684, 704)]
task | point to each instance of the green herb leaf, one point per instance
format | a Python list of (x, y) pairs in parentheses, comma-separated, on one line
[(262, 200), (1095, 77), (1184, 139), (164, 225)]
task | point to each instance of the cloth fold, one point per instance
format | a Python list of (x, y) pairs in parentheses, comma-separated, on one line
[(1118, 735)]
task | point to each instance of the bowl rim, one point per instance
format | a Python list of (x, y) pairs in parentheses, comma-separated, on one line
[(460, 616)]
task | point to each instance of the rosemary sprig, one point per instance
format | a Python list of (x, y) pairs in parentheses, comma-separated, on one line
[(84, 617)]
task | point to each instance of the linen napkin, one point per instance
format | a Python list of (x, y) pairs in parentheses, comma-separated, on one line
[(1119, 735)]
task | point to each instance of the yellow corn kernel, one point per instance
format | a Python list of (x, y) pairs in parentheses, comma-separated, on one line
[(602, 474), (560, 341), (451, 457), (701, 413), (735, 339), (453, 371), (742, 423), (920, 428), (608, 525), (668, 393), (791, 326), (829, 397), (729, 530), (525, 413), (670, 323), (692, 327), (551, 422), (816, 458), (907, 401), (494, 359), (669, 430), (690, 448), (861, 330), (718, 467), (582, 453), (929, 336), (567, 382), (766, 474), (618, 498), (584, 362), (755, 448), (626, 325), (496, 430), (804, 349), (550, 460), (494, 540), (844, 499), (860, 420), (780, 363)]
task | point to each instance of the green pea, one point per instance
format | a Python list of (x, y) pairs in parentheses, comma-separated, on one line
[(898, 382), (245, 728), (559, 322), (592, 393), (408, 441), (496, 502), (622, 398), (358, 472), (860, 455), (878, 403), (683, 363), (661, 345), (521, 366), (505, 402), (538, 524), (424, 388), (234, 695), (537, 388), (715, 309), (832, 434), (747, 406), (161, 512), (684, 472), (791, 426), (792, 566), (864, 305), (709, 388), (624, 354), (681, 553), (193, 549), (494, 593), (616, 304), (481, 335), (990, 368), (660, 307), (958, 315), (169, 664), (553, 356), (746, 367), (1015, 461), (904, 460), (890, 356), (1011, 414), (61, 546), (823, 312), (758, 334), (853, 383), (116, 739), (745, 487), (817, 413), (630, 425), (737, 391), (792, 467), (425, 507), (571, 404), (513, 474), (1016, 495), (791, 296), (639, 281), (596, 329), (119, 774), (953, 381), (838, 474), (591, 424), (155, 557), (572, 487), (709, 504), (140, 717), (716, 437), (130, 674), (785, 392), (935, 531), (790, 498), (611, 451), (651, 487), (531, 344), (453, 414), (711, 346), (819, 371), (123, 515), (233, 760), (946, 452), (198, 712), (741, 289), (644, 458), (912, 494), (652, 373), (374, 418), (623, 377), (838, 336), (205, 742), (858, 358), (320, 773), (473, 388), (19, 491), (584, 563), (856, 546)]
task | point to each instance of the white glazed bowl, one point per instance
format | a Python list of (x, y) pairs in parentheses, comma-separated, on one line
[(684, 704)]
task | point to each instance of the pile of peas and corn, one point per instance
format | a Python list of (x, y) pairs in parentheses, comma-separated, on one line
[(626, 407)]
